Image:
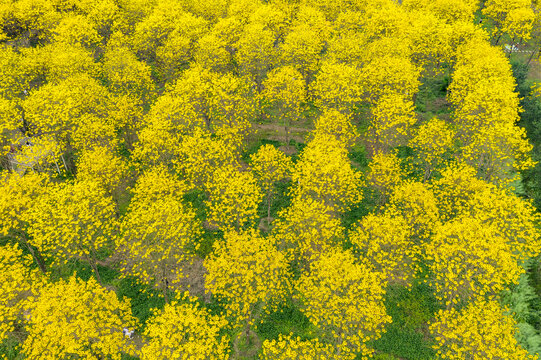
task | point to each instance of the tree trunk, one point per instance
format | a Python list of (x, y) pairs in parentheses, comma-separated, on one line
[(94, 266), (497, 40), (536, 51), (268, 208), (287, 134), (37, 257), (207, 121), (165, 287), (64, 162), (57, 168), (247, 331), (428, 173)]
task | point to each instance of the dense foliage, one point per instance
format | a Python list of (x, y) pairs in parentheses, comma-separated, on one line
[(282, 179)]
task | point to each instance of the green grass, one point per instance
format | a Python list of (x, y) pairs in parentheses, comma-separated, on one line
[(83, 271), (196, 199), (358, 211), (142, 298), (430, 100), (280, 200), (123, 201), (10, 348), (206, 242), (359, 157), (287, 319), (411, 310), (404, 343)]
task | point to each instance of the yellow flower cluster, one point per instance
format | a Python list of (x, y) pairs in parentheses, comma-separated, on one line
[(469, 259), (77, 318), (184, 330), (234, 197), (479, 331), (416, 203), (385, 173), (392, 119), (269, 166), (334, 123), (17, 194), (73, 220), (344, 299), (248, 271), (486, 110), (157, 230), (306, 228), (324, 173), (18, 284), (431, 141), (200, 156), (385, 242), (290, 348)]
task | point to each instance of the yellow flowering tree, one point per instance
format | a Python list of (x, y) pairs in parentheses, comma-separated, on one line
[(58, 62), (167, 27), (180, 111), (215, 49), (385, 174), (392, 121), (256, 52), (415, 201), (270, 165), (78, 318), (482, 330), (13, 74), (17, 196), (125, 73), (337, 86), (75, 111), (37, 19), (76, 29), (184, 330), (231, 106), (324, 172), (200, 156), (249, 272), (514, 18), (431, 141), (469, 259), (345, 300), (383, 240), (305, 41), (514, 218), (486, 109), (158, 231), (498, 152), (306, 228), (74, 220), (19, 283), (389, 74), (174, 53), (103, 166), (337, 124), (234, 197), (455, 189)]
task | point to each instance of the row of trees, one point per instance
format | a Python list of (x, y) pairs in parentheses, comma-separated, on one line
[(117, 115)]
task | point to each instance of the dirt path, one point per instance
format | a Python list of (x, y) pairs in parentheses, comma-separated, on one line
[(278, 132)]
